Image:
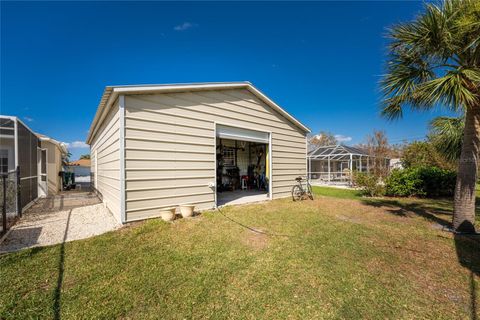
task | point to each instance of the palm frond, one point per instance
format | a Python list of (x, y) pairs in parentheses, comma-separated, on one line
[(406, 71), (434, 60), (446, 134), (451, 90), (392, 108), (473, 75)]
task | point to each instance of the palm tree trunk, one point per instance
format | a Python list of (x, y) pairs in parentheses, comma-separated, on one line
[(464, 206)]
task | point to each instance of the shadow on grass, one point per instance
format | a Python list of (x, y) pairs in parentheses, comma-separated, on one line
[(429, 212), (467, 247), (468, 254), (57, 295)]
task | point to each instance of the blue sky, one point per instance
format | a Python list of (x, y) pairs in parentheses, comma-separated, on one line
[(321, 61)]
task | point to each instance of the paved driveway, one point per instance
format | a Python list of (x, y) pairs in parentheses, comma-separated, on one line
[(64, 217)]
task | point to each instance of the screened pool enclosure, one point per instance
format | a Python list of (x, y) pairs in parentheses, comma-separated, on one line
[(333, 165), (20, 154)]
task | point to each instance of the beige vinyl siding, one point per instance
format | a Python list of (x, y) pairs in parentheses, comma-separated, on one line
[(105, 155), (170, 146), (54, 166)]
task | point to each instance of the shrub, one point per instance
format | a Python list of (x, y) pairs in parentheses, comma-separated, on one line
[(368, 183), (420, 182), (438, 182), (423, 154), (404, 183)]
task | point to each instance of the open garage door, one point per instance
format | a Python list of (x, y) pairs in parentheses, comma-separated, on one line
[(243, 165), (233, 133)]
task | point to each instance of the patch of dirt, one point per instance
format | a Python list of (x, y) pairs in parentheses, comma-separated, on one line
[(438, 226), (357, 212), (255, 240), (349, 219)]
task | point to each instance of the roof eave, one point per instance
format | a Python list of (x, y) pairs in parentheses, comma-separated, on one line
[(111, 93), (60, 145)]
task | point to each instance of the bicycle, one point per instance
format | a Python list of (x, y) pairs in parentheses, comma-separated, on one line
[(301, 193)]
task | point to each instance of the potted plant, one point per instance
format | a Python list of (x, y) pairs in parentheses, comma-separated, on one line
[(168, 214), (187, 210)]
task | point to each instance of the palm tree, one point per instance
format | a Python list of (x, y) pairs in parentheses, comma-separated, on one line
[(66, 158), (446, 134), (434, 62)]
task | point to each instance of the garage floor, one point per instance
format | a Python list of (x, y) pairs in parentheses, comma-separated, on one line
[(240, 196), (57, 219)]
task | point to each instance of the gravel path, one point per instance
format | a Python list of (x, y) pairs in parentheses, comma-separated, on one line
[(64, 217)]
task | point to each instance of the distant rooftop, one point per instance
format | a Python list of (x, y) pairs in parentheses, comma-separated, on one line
[(80, 163)]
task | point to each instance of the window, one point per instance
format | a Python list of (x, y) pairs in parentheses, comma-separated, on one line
[(3, 161), (229, 157)]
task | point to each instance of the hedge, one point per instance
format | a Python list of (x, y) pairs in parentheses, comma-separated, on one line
[(428, 182)]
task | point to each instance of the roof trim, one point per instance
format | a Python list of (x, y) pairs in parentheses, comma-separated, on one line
[(60, 145), (111, 93)]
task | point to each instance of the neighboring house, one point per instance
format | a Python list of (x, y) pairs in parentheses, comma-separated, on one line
[(81, 169), (396, 163), (157, 146), (55, 153), (35, 156)]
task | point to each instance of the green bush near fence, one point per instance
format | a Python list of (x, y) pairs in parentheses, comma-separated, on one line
[(428, 182)]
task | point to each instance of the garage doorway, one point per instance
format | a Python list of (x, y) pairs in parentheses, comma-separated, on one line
[(243, 165)]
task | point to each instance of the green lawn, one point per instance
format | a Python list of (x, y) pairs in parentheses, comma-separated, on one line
[(329, 258), (336, 192), (442, 208)]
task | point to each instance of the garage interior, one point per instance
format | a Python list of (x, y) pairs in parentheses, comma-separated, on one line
[(242, 171)]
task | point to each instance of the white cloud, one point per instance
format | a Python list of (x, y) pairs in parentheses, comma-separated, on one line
[(77, 145), (342, 138), (28, 119), (184, 26)]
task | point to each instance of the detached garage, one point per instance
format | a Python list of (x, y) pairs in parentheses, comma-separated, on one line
[(208, 144)]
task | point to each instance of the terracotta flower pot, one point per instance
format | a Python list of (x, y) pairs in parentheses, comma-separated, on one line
[(168, 214), (187, 210)]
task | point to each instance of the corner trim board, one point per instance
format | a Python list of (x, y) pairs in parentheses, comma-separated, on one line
[(121, 115), (15, 134)]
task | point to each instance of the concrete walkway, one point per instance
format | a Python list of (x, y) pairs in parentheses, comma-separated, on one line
[(64, 217), (228, 198)]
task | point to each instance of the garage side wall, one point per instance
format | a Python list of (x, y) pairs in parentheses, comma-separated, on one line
[(170, 146), (105, 161)]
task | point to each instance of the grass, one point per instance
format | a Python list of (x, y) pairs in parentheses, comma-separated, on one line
[(329, 258), (442, 208), (336, 192)]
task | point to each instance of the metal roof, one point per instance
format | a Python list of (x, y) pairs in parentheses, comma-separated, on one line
[(112, 92)]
